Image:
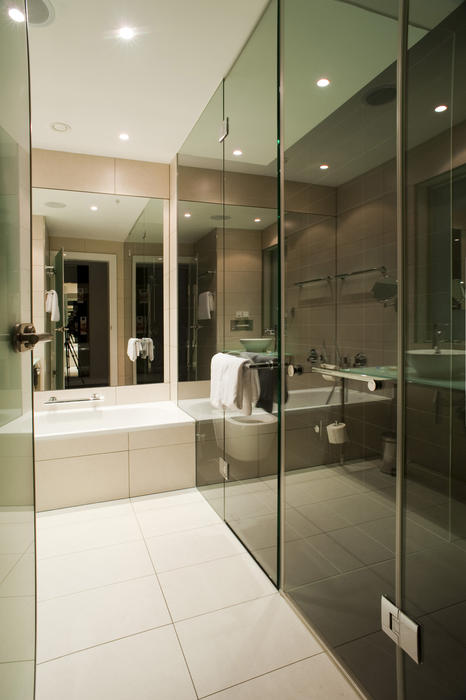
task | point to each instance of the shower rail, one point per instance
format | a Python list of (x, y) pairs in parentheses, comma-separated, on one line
[(342, 275)]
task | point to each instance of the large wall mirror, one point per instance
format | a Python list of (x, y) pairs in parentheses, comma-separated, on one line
[(98, 287)]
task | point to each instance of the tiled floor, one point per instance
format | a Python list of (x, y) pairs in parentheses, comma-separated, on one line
[(154, 597)]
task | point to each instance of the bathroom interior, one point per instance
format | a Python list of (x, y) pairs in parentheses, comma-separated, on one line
[(310, 219)]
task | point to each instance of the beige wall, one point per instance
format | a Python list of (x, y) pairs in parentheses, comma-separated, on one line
[(84, 173)]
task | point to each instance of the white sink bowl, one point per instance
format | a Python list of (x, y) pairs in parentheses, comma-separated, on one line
[(256, 344), (444, 365)]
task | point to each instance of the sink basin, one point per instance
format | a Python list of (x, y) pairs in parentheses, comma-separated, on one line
[(256, 344), (445, 365)]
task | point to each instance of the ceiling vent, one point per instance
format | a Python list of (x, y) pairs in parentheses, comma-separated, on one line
[(40, 12)]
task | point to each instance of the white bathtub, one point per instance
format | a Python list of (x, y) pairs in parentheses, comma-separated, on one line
[(101, 453), (58, 421)]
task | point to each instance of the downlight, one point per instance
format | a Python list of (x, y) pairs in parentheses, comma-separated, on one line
[(40, 12)]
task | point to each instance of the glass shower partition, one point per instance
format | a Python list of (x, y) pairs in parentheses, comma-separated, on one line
[(251, 226), (17, 557), (339, 136)]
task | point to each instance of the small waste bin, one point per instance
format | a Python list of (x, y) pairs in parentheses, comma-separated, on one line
[(388, 453)]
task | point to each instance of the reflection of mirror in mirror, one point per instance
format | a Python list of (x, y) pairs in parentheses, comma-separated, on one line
[(98, 288)]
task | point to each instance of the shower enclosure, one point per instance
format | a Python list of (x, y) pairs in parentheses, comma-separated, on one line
[(324, 185)]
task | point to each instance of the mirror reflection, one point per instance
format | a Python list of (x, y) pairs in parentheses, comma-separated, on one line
[(98, 289)]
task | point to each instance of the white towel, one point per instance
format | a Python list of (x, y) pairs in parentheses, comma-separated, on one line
[(232, 384), (51, 305), (205, 306), (147, 349), (134, 348)]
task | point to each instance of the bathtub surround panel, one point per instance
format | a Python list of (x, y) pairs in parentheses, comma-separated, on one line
[(87, 456)]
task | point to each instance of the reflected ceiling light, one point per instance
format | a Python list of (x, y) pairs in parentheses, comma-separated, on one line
[(441, 108), (324, 166), (126, 33), (94, 208), (323, 82), (16, 15), (187, 215), (237, 152), (257, 220), (61, 127), (124, 137)]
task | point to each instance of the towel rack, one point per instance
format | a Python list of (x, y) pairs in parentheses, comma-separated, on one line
[(342, 275), (53, 401)]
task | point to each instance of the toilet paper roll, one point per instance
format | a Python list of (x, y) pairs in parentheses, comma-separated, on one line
[(336, 433)]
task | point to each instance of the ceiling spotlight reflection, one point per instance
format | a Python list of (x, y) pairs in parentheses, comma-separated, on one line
[(94, 208), (124, 137), (323, 82), (187, 215), (237, 152), (257, 220), (441, 108), (324, 166), (126, 33), (16, 15)]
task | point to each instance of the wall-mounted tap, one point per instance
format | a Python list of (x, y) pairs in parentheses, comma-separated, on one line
[(313, 356), (360, 360)]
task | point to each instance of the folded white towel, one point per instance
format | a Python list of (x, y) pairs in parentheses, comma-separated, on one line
[(51, 305), (134, 348), (232, 384), (206, 306)]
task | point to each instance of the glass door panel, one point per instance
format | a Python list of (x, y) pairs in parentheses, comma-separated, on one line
[(434, 508), (200, 289), (340, 311), (251, 321), (17, 561)]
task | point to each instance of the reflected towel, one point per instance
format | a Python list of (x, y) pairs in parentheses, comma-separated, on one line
[(51, 305), (205, 306), (134, 348), (147, 349)]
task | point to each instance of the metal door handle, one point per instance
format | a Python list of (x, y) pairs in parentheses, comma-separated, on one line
[(26, 338)]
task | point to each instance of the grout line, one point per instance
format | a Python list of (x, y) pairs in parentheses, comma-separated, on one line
[(228, 607), (166, 604), (87, 549), (266, 673), (102, 644), (92, 588), (14, 565)]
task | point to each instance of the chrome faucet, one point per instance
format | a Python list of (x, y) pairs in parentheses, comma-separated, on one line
[(436, 338)]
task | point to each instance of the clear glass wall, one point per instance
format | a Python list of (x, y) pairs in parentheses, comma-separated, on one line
[(17, 562)]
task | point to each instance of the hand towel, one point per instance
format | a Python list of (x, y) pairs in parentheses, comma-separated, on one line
[(226, 381), (147, 349), (205, 306), (134, 348), (51, 305)]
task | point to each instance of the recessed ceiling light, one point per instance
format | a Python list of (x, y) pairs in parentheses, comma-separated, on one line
[(324, 166), (16, 15), (124, 137), (94, 208), (323, 82), (187, 215), (55, 205), (126, 33), (257, 220), (237, 152), (441, 108), (61, 127)]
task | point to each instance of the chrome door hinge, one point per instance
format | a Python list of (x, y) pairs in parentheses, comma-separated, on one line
[(224, 128), (223, 468), (401, 629)]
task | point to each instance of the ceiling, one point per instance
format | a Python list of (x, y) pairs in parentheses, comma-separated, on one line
[(152, 87), (113, 221)]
